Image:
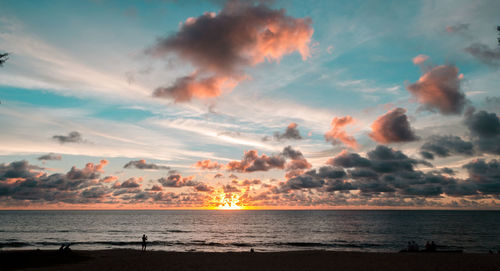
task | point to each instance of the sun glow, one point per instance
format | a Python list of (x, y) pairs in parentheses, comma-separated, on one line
[(229, 201)]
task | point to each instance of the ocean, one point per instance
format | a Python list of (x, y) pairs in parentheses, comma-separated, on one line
[(262, 230)]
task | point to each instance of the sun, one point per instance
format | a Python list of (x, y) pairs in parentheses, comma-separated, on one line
[(229, 201)]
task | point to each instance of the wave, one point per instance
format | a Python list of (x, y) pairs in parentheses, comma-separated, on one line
[(194, 243)]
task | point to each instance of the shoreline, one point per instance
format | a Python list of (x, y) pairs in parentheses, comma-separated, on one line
[(129, 259)]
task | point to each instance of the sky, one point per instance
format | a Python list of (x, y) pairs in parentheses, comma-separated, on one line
[(249, 104)]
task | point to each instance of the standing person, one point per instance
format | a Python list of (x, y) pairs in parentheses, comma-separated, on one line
[(144, 240)]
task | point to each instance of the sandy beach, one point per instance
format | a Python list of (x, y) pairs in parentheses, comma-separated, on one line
[(299, 260)]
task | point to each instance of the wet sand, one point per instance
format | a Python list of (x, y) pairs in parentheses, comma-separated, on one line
[(259, 261)]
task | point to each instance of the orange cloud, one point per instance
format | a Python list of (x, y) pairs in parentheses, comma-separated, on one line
[(420, 59), (337, 132), (207, 164), (188, 87)]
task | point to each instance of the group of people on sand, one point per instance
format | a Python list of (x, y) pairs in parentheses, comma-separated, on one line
[(65, 248), (429, 247)]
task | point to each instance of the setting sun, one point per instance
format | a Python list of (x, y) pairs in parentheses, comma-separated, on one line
[(229, 202)]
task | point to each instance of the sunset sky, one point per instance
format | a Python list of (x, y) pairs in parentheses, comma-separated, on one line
[(280, 104)]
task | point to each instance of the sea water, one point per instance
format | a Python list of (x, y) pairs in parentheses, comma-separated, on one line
[(262, 230)]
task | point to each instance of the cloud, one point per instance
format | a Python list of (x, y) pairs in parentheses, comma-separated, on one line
[(457, 28), (230, 189), (220, 46), (21, 181), (156, 187), (483, 124), (312, 179), (192, 86), (50, 156), (96, 192), (420, 59), (337, 132), (392, 127), (141, 164), (248, 182), (218, 175), (203, 187), (298, 161), (90, 171), (486, 175), (485, 130), (209, 165), (381, 160), (485, 54), (444, 146), (133, 182), (72, 137), (109, 179), (387, 173), (18, 169), (291, 132), (251, 162), (176, 180), (439, 89)]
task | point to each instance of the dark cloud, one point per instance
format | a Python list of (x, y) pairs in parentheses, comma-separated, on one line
[(393, 127), (486, 175), (384, 171), (141, 164), (483, 124), (220, 46), (18, 169), (439, 89), (312, 179), (218, 175), (339, 185), (304, 181), (485, 54), (230, 189), (21, 181), (251, 162), (72, 137), (444, 146), (50, 156), (96, 192), (130, 183), (289, 152), (177, 180), (485, 130), (349, 160), (291, 132), (202, 187), (297, 162), (250, 182)]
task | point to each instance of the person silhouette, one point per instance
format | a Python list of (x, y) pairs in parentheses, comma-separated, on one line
[(144, 240)]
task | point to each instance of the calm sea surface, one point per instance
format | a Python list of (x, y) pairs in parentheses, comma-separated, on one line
[(472, 231)]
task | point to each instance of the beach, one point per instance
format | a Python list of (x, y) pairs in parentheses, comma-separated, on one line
[(128, 259)]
